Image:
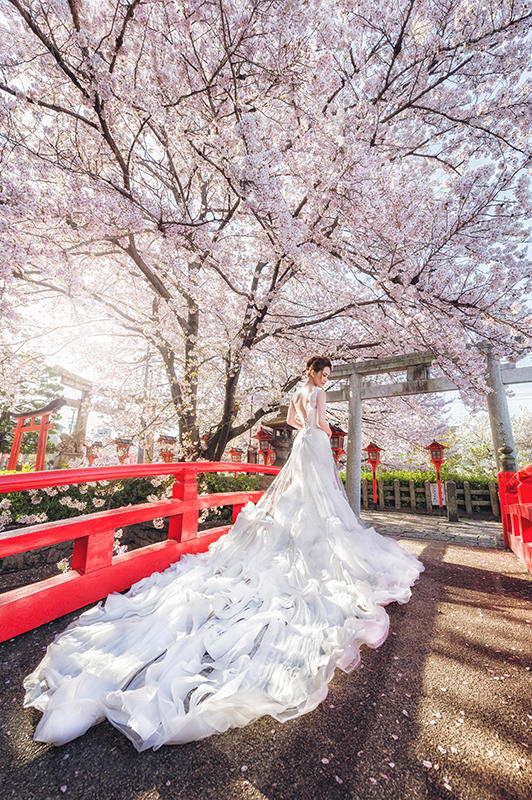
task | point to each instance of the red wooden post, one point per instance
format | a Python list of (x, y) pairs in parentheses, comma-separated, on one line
[(236, 511), (93, 552), (184, 526), (41, 446), (15, 447)]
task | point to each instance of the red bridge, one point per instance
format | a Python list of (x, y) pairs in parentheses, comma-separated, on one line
[(95, 571), (439, 710), (515, 490)]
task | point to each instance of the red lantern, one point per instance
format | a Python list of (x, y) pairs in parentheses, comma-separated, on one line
[(122, 448), (236, 454), (374, 452), (266, 451), (436, 456), (91, 452), (337, 442), (167, 454)]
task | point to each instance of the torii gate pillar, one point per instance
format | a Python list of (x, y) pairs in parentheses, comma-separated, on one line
[(354, 442), (499, 414)]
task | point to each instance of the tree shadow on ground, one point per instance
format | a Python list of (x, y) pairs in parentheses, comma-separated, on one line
[(345, 748)]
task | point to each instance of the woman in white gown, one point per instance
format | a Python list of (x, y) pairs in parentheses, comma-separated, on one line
[(256, 625)]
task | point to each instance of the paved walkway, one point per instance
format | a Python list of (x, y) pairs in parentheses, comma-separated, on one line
[(440, 711), (487, 533)]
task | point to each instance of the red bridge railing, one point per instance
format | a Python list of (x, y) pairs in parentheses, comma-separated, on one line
[(95, 571), (515, 490)]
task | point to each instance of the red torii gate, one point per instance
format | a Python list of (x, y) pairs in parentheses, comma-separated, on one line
[(27, 422)]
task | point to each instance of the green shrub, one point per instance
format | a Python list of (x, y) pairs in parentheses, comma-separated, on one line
[(420, 476), (215, 482), (63, 502)]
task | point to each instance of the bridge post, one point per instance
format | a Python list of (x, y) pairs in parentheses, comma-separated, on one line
[(184, 526), (93, 551)]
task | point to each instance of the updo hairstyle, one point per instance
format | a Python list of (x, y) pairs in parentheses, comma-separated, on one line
[(317, 363)]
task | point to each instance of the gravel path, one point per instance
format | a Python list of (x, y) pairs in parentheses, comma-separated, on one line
[(440, 710)]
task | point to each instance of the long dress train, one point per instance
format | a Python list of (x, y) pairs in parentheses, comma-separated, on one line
[(256, 625)]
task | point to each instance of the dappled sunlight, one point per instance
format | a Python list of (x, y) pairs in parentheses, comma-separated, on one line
[(469, 701), (457, 742), (436, 711), (473, 718), (149, 794), (18, 727), (246, 790)]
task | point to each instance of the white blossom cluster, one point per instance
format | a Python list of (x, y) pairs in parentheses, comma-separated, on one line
[(360, 190)]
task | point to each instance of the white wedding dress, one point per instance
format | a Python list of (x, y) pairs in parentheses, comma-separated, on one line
[(256, 625)]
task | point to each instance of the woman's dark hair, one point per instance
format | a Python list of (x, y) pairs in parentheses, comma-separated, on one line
[(317, 363)]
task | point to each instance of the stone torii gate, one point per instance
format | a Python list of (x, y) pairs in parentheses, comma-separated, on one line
[(418, 381)]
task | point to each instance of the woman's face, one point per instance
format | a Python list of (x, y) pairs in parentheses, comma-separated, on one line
[(320, 378)]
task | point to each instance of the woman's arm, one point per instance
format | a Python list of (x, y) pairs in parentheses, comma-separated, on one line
[(291, 416), (321, 418)]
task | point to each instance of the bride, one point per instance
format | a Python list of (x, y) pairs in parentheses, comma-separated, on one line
[(254, 626)]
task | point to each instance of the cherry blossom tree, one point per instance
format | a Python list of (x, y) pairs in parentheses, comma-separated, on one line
[(25, 383), (241, 183), (471, 445)]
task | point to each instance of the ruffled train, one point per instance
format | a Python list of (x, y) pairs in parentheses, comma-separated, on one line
[(256, 625)]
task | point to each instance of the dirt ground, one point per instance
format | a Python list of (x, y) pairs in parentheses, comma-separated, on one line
[(440, 710)]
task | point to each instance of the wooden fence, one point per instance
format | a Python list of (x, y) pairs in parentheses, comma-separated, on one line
[(406, 496)]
